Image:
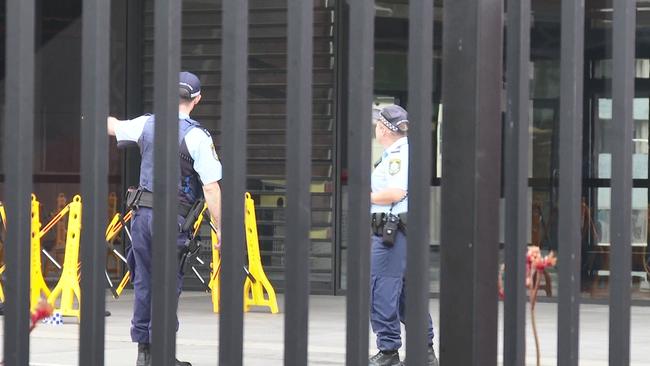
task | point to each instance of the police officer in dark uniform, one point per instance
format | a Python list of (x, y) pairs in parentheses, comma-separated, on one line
[(389, 205), (200, 172)]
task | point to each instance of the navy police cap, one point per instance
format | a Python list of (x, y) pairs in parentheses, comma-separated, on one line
[(189, 85), (394, 117)]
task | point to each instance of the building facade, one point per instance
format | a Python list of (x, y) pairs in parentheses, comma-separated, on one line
[(58, 80)]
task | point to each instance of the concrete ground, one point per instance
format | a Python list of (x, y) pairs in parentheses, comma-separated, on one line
[(198, 337)]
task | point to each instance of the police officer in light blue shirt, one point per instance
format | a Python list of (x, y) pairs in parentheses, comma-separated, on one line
[(200, 172), (389, 205)]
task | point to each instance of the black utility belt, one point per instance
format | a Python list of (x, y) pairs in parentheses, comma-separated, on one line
[(137, 197), (386, 225)]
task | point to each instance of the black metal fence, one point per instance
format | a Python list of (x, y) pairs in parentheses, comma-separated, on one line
[(472, 62)]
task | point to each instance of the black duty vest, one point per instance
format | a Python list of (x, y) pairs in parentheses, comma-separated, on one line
[(189, 186)]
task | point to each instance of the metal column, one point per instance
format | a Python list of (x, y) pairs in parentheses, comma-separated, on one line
[(623, 73), (94, 177), (167, 30), (360, 87), (298, 212), (18, 152), (472, 88), (570, 181), (420, 82), (517, 147), (234, 87)]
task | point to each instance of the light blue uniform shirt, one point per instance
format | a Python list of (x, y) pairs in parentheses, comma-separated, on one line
[(199, 145), (392, 172)]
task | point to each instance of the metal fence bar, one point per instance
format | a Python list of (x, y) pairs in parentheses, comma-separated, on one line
[(516, 180), (167, 30), (18, 153), (298, 212), (472, 36), (94, 181), (569, 191), (360, 88), (234, 85), (420, 83), (623, 73)]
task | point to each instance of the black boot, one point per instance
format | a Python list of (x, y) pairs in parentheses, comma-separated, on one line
[(182, 363), (432, 360), (385, 358), (144, 355)]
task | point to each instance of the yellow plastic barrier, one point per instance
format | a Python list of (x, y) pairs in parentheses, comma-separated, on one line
[(256, 281), (214, 284), (254, 290), (38, 287), (2, 292), (3, 216), (59, 241), (116, 225), (258, 291), (68, 286)]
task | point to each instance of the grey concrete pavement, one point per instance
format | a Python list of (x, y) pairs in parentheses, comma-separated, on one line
[(198, 337)]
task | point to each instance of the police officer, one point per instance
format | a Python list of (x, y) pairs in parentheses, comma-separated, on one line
[(389, 205), (200, 172)]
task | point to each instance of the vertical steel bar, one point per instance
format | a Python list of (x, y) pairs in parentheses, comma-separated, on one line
[(94, 177), (299, 125), (234, 84), (18, 153), (472, 84), (134, 64), (420, 83), (360, 89), (569, 191), (167, 29), (620, 296), (516, 179)]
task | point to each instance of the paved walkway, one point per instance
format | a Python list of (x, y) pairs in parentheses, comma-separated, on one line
[(198, 338)]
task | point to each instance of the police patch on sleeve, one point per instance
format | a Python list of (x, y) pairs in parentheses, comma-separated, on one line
[(394, 166), (214, 152)]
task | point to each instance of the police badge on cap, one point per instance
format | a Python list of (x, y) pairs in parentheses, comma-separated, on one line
[(394, 117)]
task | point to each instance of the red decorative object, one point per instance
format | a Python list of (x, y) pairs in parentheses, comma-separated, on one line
[(536, 264), (43, 310)]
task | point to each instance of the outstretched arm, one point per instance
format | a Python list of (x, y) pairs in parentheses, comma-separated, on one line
[(111, 122)]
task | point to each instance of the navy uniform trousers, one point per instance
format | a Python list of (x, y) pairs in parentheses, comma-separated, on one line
[(139, 261), (387, 292)]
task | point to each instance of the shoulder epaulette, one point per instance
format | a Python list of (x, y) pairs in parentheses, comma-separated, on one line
[(205, 130), (196, 124)]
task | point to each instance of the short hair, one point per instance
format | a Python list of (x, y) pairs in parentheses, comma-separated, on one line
[(184, 94), (183, 100)]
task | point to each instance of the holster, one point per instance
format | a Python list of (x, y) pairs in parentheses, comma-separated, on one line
[(187, 252), (386, 225), (193, 214)]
